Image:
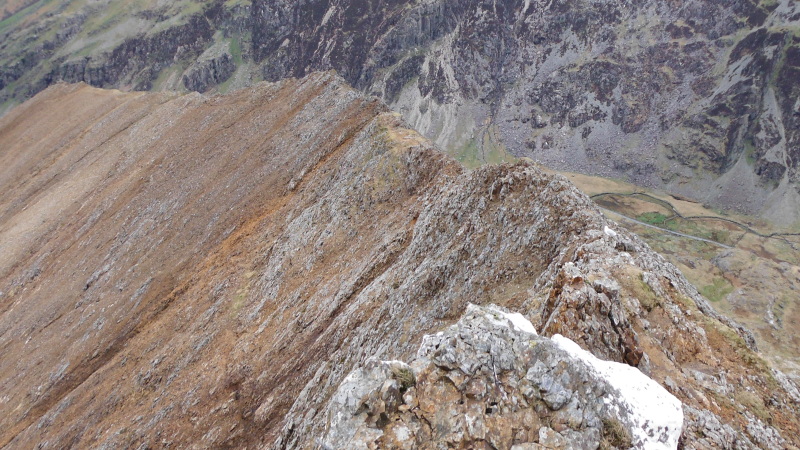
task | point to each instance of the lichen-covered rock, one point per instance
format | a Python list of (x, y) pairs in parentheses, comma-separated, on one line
[(486, 382)]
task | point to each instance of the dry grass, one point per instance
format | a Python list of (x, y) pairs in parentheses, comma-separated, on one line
[(615, 435)]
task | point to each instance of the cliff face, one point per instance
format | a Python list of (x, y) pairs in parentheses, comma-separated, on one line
[(698, 96), (140, 45), (185, 269)]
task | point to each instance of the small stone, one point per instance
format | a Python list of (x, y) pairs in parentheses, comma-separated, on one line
[(476, 388), (670, 384), (551, 439), (527, 446)]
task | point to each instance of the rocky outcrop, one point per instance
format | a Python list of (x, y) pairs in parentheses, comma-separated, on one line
[(209, 72), (490, 382), (207, 270)]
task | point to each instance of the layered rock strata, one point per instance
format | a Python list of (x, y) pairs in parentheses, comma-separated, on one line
[(206, 270)]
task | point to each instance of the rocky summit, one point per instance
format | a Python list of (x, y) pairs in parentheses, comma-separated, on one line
[(696, 96), (491, 382), (217, 271)]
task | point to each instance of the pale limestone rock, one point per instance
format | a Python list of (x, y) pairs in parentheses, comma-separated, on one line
[(485, 381)]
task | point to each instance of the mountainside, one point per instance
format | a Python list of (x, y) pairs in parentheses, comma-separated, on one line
[(696, 96), (189, 269)]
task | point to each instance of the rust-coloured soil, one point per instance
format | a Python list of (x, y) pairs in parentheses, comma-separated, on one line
[(119, 213), (191, 271)]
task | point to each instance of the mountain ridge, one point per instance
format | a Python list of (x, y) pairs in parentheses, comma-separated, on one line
[(237, 256), (693, 96)]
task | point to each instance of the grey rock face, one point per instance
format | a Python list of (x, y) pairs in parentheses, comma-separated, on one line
[(210, 72), (695, 96), (485, 383)]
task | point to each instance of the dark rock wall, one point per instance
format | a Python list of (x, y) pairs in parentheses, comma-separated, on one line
[(684, 83)]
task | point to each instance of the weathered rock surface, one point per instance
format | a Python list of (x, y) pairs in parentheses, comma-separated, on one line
[(486, 382), (182, 270), (692, 95), (698, 96), (209, 72)]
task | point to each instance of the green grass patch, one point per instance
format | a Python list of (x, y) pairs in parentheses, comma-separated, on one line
[(178, 14), (235, 48), (15, 19), (747, 356), (717, 290), (691, 228), (468, 155), (645, 294), (749, 151), (633, 284), (653, 218), (160, 83), (768, 5), (101, 21), (471, 155), (225, 86), (87, 50), (7, 106), (754, 403)]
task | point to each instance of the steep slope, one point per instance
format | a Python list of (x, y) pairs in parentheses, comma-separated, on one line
[(697, 96), (737, 262), (183, 269)]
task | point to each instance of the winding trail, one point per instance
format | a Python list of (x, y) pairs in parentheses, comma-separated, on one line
[(668, 205), (676, 233)]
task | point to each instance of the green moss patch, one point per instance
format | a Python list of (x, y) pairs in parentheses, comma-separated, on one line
[(717, 290)]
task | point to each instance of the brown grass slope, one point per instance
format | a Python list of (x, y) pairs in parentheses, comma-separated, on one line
[(191, 270)]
